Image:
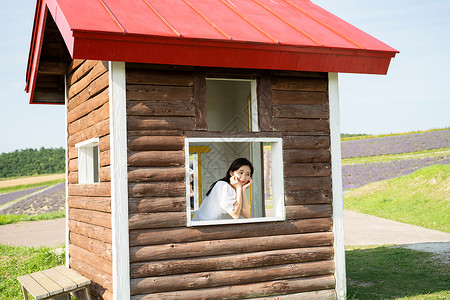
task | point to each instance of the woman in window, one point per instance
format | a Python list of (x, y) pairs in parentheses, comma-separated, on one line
[(226, 197)]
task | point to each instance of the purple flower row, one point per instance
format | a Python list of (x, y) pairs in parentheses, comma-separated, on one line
[(4, 198), (357, 175), (49, 200), (396, 144)]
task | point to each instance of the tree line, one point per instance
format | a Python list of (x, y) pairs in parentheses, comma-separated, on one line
[(29, 162)]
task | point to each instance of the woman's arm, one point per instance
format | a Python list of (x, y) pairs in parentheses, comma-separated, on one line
[(241, 206), (245, 211)]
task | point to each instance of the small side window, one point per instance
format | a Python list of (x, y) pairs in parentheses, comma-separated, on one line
[(88, 161)]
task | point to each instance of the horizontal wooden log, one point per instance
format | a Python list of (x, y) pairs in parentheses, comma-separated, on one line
[(91, 217), (105, 174), (306, 133), (156, 159), (52, 67), (73, 177), (156, 220), (229, 278), (99, 291), (104, 143), (99, 69), (230, 262), (309, 211), (288, 124), (311, 111), (147, 237), (291, 156), (297, 97), (73, 165), (314, 295), (221, 134), (151, 205), (98, 130), (299, 84), (101, 249), (95, 116), (94, 274), (157, 189), (72, 152), (262, 289), (105, 158), (159, 92), (155, 143), (92, 231), (307, 197), (87, 107), (74, 64), (156, 132), (229, 246), (90, 190), (307, 183), (158, 123), (80, 71), (140, 174), (90, 258), (136, 75), (307, 169), (284, 73), (90, 203), (160, 108), (94, 88), (306, 142)]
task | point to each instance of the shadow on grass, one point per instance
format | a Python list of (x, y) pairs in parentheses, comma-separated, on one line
[(394, 272)]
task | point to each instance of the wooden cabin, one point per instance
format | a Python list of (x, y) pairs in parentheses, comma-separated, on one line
[(160, 94)]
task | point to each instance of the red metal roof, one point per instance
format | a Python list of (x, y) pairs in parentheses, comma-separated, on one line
[(261, 34)]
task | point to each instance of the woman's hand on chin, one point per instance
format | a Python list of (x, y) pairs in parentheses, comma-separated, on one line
[(249, 183), (234, 182)]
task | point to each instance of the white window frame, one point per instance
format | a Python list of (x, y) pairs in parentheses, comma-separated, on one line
[(279, 212), (86, 160)]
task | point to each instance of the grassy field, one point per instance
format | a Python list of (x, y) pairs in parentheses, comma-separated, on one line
[(17, 261), (10, 219), (28, 185), (421, 198)]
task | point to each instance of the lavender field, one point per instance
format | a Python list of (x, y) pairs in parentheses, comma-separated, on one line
[(396, 144)]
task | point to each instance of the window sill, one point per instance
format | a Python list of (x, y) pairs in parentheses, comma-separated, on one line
[(232, 221)]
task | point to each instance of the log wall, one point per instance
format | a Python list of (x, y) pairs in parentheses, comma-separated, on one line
[(171, 261), (90, 251)]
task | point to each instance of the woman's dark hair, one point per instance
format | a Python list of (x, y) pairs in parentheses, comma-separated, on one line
[(235, 165)]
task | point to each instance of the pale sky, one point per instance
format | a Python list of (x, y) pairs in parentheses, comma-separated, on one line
[(415, 95)]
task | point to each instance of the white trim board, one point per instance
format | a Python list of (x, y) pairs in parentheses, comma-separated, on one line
[(119, 181), (336, 178), (66, 145)]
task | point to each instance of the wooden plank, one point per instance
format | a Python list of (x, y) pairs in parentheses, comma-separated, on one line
[(104, 143), (221, 134), (310, 111), (159, 132), (52, 68), (99, 69), (90, 217), (90, 203), (299, 74), (105, 174), (159, 92), (307, 197), (105, 158), (296, 97), (95, 232), (285, 124), (229, 278), (90, 258), (160, 108), (98, 130), (264, 98), (201, 115), (74, 65), (90, 190), (299, 84), (307, 169), (230, 262), (65, 283), (142, 174), (80, 280), (136, 75), (95, 116), (267, 289), (33, 287), (156, 220), (229, 246), (103, 250), (155, 143), (83, 68), (156, 159), (308, 211), (158, 123), (307, 183), (96, 275), (147, 237), (88, 106), (291, 156), (94, 88), (157, 189), (150, 205), (315, 295), (306, 142), (47, 283)]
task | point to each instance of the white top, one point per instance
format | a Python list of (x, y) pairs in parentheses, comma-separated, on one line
[(218, 204)]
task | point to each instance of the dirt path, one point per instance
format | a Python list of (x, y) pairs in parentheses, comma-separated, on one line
[(31, 180)]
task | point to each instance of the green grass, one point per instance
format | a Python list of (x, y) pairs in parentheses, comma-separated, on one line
[(444, 152), (349, 137), (15, 188), (421, 198), (9, 219), (17, 261), (395, 273)]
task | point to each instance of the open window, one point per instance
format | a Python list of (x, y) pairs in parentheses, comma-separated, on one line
[(208, 160), (88, 161)]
